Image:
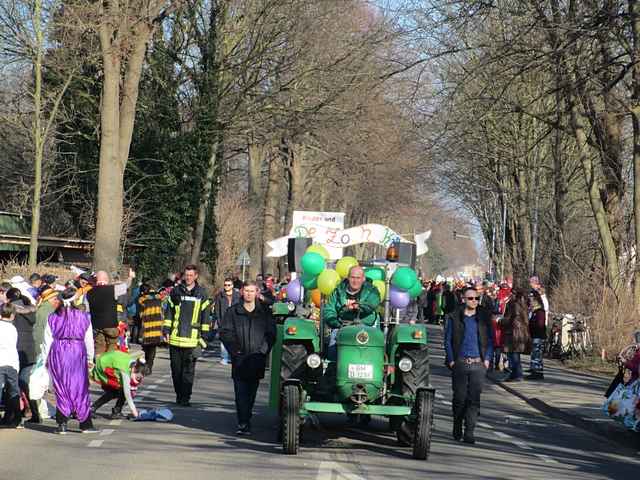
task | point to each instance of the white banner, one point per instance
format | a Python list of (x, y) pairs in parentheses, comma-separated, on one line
[(336, 239)]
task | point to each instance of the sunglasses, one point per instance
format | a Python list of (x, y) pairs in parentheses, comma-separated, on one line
[(472, 298), (228, 285)]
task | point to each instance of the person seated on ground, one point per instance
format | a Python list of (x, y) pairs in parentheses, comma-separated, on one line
[(119, 374), (354, 298)]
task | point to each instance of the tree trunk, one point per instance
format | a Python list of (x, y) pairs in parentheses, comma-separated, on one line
[(635, 117), (604, 229), (111, 170), (117, 117), (271, 204), (38, 135), (256, 243), (201, 219), (560, 188)]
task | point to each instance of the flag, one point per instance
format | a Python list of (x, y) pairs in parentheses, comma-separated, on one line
[(421, 242)]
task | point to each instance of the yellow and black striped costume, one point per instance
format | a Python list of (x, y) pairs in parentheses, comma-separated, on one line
[(151, 318)]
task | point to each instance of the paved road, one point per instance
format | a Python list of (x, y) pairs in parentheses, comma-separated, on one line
[(514, 441)]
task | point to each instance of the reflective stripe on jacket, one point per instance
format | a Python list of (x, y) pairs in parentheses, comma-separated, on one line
[(187, 317)]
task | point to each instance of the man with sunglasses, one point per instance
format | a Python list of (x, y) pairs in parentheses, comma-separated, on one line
[(468, 342), (226, 298)]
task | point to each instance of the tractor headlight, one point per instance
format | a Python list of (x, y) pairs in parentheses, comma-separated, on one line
[(405, 364), (314, 360)]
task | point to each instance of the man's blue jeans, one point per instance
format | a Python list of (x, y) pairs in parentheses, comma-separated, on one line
[(224, 354), (515, 365)]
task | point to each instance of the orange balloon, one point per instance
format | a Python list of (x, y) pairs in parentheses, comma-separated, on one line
[(316, 297)]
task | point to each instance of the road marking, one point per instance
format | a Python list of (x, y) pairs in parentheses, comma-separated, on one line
[(545, 458), (152, 387), (106, 431), (334, 471), (95, 443), (445, 402), (161, 380), (439, 396), (484, 425), (503, 435), (115, 423)]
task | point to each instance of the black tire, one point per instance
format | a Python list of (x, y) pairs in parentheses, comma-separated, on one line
[(424, 425), (418, 376), (294, 361), (405, 433), (290, 419)]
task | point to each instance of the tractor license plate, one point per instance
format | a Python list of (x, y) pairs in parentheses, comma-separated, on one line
[(361, 371)]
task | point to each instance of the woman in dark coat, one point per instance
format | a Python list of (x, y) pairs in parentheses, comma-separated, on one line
[(538, 331), (24, 322), (248, 332), (515, 332)]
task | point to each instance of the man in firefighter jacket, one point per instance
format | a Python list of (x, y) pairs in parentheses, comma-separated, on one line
[(187, 321)]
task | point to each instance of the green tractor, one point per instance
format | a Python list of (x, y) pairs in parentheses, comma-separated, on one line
[(380, 370)]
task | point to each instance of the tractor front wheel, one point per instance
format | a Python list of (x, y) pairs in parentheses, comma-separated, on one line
[(423, 425), (290, 419)]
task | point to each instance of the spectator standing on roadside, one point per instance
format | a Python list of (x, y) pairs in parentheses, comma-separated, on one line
[(36, 282), (468, 342), (534, 283), (248, 332), (186, 322), (538, 331), (84, 280), (102, 303), (515, 332), (25, 319), (9, 366), (267, 294), (47, 304), (226, 298)]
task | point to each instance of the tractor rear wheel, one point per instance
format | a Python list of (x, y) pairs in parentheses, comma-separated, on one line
[(290, 419), (293, 361), (418, 376), (424, 424)]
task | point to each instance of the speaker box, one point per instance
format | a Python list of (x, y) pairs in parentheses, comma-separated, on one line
[(407, 254), (295, 250)]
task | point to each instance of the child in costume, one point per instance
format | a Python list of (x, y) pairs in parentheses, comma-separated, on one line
[(119, 374)]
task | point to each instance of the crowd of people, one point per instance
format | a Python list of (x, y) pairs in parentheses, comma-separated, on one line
[(81, 330), (85, 326), (519, 319)]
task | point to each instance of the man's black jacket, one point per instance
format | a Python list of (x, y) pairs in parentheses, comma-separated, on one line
[(248, 336)]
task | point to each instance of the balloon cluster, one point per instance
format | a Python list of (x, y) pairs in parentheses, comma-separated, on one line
[(316, 277), (405, 286)]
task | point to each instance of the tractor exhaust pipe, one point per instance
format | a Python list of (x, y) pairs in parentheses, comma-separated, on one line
[(359, 395)]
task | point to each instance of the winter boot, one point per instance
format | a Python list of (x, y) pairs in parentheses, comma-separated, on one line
[(13, 413), (35, 412)]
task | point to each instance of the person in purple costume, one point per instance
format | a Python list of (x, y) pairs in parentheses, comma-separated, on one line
[(68, 353)]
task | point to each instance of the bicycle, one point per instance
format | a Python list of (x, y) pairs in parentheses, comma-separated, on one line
[(630, 351)]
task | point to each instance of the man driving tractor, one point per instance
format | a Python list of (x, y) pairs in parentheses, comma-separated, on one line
[(354, 298)]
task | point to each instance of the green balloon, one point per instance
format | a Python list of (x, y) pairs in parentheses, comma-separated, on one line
[(374, 273), (312, 264), (319, 249), (309, 282), (404, 278), (415, 290)]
